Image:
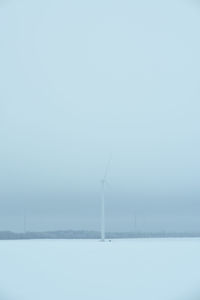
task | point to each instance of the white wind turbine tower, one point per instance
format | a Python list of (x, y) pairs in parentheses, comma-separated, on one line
[(103, 184)]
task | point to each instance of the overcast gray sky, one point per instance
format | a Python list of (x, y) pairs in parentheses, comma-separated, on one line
[(82, 79)]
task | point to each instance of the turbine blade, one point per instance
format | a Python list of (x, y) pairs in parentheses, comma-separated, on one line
[(107, 167)]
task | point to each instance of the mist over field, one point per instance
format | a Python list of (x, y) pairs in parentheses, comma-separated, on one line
[(99, 150), (82, 79)]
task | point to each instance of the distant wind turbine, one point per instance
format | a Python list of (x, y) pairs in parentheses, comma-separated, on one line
[(103, 183), (24, 221), (135, 222)]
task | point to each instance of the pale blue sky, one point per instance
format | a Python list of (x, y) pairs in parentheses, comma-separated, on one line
[(81, 79)]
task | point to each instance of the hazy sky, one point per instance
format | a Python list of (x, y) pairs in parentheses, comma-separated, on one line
[(82, 79)]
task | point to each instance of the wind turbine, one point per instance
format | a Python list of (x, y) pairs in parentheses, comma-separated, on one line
[(135, 222), (24, 221), (103, 184)]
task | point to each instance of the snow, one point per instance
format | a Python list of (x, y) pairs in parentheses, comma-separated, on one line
[(167, 269)]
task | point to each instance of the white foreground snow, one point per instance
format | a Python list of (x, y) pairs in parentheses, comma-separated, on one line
[(152, 269)]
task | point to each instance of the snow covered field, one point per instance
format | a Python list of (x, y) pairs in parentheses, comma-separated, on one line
[(152, 269)]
